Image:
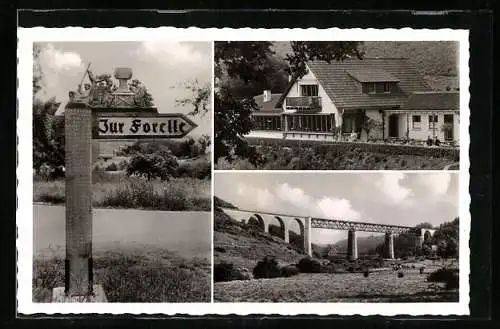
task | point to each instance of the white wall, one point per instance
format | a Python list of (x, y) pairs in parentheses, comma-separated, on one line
[(424, 131), (265, 134), (327, 105)]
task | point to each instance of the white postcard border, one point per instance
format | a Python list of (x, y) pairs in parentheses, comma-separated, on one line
[(24, 243)]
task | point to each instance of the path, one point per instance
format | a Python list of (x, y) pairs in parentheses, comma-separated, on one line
[(185, 233)]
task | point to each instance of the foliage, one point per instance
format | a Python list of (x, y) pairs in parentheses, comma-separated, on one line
[(226, 272), (448, 275), (267, 268), (218, 202), (305, 51), (161, 165), (184, 148), (199, 100), (309, 265), (369, 124), (289, 270)]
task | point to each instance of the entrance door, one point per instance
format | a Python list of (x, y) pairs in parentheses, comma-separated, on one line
[(448, 130), (393, 126)]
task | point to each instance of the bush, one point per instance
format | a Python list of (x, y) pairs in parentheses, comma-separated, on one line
[(267, 268), (309, 265), (401, 274), (112, 167), (162, 165), (366, 273), (289, 270), (447, 275), (226, 272)]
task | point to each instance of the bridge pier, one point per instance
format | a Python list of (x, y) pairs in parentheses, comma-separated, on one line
[(286, 234), (352, 245), (307, 237), (389, 245)]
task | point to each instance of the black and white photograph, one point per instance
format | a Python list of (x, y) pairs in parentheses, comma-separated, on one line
[(122, 172), (332, 237), (337, 105)]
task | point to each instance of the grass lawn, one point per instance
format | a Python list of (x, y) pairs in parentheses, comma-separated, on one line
[(142, 276), (119, 191), (381, 286)]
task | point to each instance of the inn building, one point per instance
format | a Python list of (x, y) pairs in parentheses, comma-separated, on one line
[(369, 99)]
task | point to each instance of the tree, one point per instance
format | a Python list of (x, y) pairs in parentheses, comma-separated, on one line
[(161, 165), (199, 99), (305, 51), (252, 63), (48, 135)]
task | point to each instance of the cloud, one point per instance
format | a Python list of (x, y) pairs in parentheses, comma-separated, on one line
[(337, 208), (293, 200), (54, 59), (171, 53), (436, 183), (253, 197), (390, 185), (56, 65)]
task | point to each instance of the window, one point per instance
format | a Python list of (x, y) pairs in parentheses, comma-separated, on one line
[(372, 88), (415, 122), (433, 120), (387, 87), (309, 90)]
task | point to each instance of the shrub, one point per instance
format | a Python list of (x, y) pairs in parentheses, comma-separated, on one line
[(112, 167), (289, 270), (309, 265), (401, 274), (366, 273), (162, 164), (226, 272), (219, 249), (267, 268), (444, 274)]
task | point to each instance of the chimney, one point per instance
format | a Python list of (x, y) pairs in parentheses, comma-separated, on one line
[(267, 96)]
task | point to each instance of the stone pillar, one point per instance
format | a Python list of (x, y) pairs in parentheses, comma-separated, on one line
[(286, 235), (352, 245), (78, 134), (307, 236), (95, 151), (389, 245), (266, 228)]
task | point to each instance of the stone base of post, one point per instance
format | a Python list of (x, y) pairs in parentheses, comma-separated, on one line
[(98, 296)]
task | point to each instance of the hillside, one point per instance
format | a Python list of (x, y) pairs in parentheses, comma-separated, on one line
[(365, 244), (218, 202), (436, 61), (429, 57), (236, 243)]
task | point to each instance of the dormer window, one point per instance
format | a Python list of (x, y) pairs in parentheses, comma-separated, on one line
[(374, 81)]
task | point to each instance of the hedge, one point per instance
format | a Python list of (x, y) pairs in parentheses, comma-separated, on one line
[(343, 147)]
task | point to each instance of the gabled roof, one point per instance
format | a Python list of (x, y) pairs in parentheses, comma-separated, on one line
[(372, 75), (345, 91), (267, 106), (433, 101)]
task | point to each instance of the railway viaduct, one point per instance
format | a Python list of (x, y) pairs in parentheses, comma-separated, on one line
[(308, 223)]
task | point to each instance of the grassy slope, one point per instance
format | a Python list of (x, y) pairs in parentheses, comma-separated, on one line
[(245, 248), (134, 276), (382, 286)]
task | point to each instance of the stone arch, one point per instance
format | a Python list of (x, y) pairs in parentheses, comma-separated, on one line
[(260, 221), (297, 239), (283, 234)]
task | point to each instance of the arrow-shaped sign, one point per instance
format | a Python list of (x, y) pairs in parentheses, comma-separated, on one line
[(141, 125)]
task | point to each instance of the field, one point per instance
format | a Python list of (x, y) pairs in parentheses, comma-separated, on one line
[(116, 190), (143, 276), (234, 243), (381, 286)]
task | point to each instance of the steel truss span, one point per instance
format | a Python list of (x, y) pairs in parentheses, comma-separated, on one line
[(357, 226)]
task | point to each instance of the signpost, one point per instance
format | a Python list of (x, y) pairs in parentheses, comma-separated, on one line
[(102, 112)]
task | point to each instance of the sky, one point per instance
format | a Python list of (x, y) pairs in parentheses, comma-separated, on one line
[(163, 67), (395, 198)]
